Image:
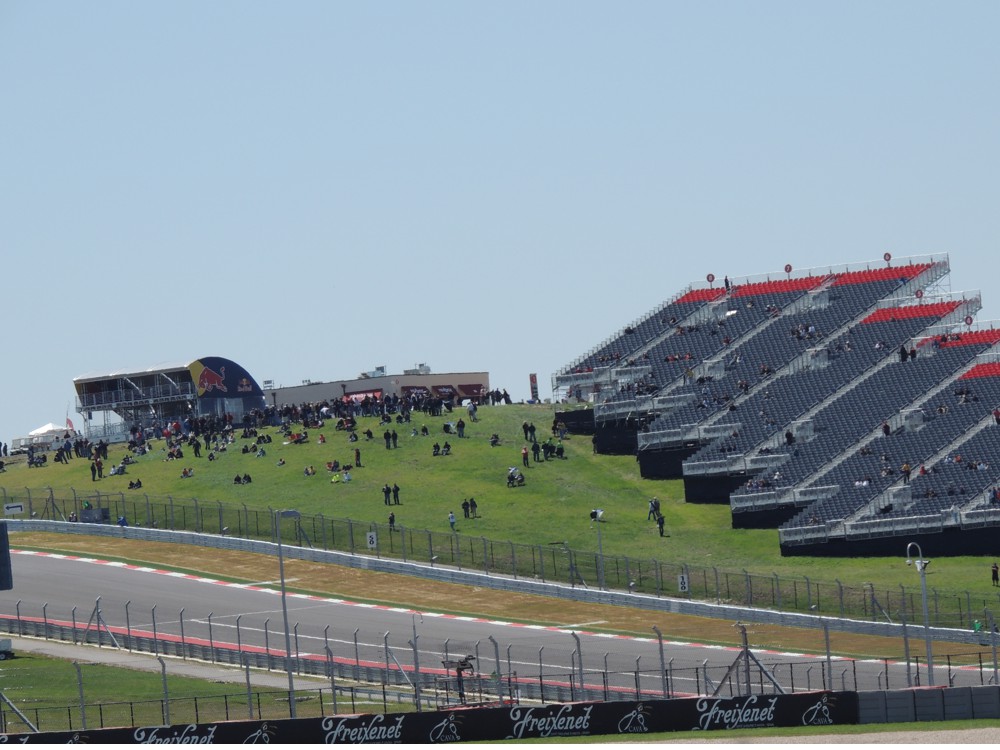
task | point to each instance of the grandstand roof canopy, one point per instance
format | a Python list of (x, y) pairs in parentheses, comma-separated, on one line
[(134, 371)]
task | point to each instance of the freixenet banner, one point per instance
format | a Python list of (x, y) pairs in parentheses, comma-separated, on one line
[(506, 723)]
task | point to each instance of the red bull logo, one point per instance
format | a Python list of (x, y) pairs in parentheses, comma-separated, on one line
[(210, 379)]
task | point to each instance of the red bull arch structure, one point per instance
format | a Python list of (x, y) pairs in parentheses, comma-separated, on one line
[(113, 402)]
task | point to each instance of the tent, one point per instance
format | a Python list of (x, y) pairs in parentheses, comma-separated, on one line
[(50, 429)]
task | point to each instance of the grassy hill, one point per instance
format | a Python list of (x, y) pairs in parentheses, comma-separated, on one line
[(553, 506)]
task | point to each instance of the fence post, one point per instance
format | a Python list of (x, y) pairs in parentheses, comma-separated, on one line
[(183, 645), (245, 660), (267, 644), (79, 686), (663, 664), (211, 640), (166, 693), (357, 656), (541, 679)]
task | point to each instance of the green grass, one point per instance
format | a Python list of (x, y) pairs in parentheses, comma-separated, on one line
[(47, 690), (554, 505)]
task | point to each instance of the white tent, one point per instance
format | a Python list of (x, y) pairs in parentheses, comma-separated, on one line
[(48, 429)]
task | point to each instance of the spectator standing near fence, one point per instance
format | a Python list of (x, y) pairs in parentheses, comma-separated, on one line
[(451, 520), (996, 574)]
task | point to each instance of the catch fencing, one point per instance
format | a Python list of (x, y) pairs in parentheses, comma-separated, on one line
[(555, 562)]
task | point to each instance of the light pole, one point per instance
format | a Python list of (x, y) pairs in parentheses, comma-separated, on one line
[(597, 516), (278, 515), (921, 565)]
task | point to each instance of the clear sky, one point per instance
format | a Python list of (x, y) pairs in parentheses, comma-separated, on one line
[(313, 189)]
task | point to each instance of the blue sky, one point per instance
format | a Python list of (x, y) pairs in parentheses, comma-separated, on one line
[(313, 189)]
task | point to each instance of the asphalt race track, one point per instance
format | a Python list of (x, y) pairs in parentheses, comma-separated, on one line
[(134, 598)]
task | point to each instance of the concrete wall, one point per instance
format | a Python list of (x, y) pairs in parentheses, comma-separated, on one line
[(929, 704)]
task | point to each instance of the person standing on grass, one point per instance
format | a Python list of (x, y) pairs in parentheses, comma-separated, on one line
[(451, 520), (996, 574), (659, 524)]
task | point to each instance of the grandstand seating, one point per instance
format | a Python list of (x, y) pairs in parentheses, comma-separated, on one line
[(964, 427), (631, 338), (783, 385), (771, 409), (774, 342), (845, 421)]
